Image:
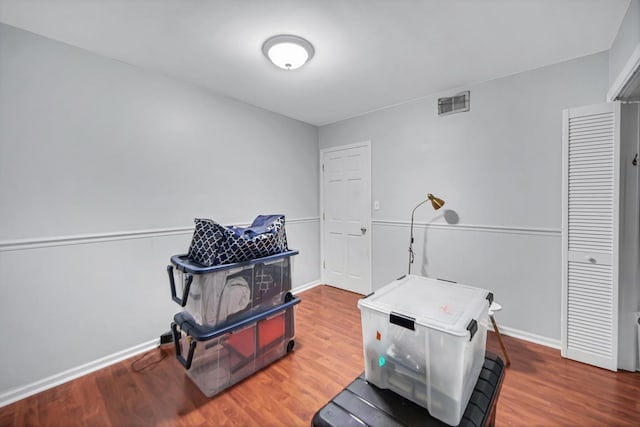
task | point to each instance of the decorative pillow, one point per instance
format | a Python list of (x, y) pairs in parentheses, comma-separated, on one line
[(265, 236), (206, 240), (215, 244)]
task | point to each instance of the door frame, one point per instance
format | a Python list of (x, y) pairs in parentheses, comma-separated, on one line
[(628, 75), (323, 151)]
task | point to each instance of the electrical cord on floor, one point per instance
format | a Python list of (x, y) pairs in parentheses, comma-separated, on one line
[(148, 363)]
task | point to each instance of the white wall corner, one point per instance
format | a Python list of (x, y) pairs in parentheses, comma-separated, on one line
[(625, 76), (305, 287)]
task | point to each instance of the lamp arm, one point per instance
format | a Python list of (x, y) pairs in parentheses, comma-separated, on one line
[(411, 238)]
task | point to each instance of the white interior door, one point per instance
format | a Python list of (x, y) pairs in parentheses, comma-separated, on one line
[(346, 217)]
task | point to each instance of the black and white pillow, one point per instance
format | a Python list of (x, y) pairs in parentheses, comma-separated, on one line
[(215, 244), (207, 238), (265, 236)]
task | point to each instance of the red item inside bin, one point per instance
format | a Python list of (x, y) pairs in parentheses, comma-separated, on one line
[(243, 341), (270, 330)]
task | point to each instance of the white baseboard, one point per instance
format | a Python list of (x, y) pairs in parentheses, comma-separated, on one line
[(305, 287), (504, 330), (63, 377), (71, 374), (528, 336), (22, 392)]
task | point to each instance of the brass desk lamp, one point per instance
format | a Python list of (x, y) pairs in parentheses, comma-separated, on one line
[(437, 204)]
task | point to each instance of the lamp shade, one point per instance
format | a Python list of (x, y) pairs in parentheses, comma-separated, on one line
[(436, 202), (287, 51)]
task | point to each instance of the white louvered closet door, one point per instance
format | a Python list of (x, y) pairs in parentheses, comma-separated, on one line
[(590, 234)]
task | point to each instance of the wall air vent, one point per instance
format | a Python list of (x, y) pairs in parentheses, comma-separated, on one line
[(454, 104)]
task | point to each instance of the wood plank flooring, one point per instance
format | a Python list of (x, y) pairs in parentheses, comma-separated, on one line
[(540, 388)]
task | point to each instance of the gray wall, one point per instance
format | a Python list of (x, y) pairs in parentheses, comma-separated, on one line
[(627, 39), (103, 167), (498, 167)]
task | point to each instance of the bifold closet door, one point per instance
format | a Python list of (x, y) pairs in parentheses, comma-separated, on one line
[(591, 152)]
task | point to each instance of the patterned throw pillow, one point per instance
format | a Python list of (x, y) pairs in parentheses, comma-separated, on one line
[(206, 240), (215, 244), (265, 236)]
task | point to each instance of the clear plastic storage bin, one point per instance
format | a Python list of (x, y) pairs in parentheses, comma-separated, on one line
[(425, 340), (223, 294), (216, 359)]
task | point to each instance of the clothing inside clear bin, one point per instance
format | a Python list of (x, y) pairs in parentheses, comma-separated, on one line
[(233, 293)]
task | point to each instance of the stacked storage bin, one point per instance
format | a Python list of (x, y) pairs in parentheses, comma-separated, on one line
[(237, 318)]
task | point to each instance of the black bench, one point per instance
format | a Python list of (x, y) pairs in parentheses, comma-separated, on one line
[(362, 404)]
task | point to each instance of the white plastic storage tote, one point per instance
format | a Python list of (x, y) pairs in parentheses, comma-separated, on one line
[(223, 294), (425, 339)]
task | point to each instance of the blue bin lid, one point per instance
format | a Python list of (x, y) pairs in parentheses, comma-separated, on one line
[(185, 265), (205, 333)]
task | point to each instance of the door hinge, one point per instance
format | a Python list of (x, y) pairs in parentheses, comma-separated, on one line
[(323, 167), (324, 265), (323, 216)]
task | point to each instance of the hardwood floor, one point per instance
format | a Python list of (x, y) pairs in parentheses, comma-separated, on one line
[(540, 388)]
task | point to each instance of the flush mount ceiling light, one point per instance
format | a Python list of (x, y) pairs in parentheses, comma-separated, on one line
[(288, 52)]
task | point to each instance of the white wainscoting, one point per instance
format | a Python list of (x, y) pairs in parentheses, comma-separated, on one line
[(84, 302), (520, 265)]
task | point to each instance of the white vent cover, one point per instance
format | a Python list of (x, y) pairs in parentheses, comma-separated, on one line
[(454, 104)]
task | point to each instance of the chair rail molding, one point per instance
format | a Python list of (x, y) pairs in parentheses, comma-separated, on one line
[(472, 227), (45, 242)]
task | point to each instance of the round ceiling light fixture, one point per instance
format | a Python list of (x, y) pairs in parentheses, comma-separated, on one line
[(287, 51)]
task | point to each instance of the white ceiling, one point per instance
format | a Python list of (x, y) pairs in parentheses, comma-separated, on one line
[(369, 53)]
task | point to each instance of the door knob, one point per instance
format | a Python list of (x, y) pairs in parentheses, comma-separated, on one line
[(364, 230)]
